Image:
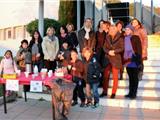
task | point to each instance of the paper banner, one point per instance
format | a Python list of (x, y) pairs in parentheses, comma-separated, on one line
[(12, 85), (36, 86)]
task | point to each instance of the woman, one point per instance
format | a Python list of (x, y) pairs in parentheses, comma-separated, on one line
[(113, 47), (132, 58), (63, 36), (36, 48), (100, 38), (140, 31), (72, 37), (119, 26), (106, 25), (50, 47)]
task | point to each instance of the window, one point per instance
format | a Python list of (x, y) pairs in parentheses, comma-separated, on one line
[(9, 34)]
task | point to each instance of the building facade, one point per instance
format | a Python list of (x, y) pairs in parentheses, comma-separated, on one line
[(14, 32)]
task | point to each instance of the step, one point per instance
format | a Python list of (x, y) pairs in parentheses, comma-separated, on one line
[(139, 102), (154, 57), (150, 69), (142, 84), (143, 92), (152, 63), (146, 76), (119, 101), (154, 49)]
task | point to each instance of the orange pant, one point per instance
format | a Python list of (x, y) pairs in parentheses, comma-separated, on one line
[(107, 76)]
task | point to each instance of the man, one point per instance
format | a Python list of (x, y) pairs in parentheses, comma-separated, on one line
[(86, 36)]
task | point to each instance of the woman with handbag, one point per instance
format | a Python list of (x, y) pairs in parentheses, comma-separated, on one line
[(133, 59), (36, 49)]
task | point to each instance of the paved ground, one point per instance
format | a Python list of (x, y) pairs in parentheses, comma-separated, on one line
[(41, 110)]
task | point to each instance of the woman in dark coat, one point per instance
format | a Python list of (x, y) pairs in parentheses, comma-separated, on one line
[(72, 37), (113, 47), (35, 46), (63, 36), (133, 59)]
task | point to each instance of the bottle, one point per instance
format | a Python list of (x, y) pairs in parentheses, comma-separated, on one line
[(35, 70)]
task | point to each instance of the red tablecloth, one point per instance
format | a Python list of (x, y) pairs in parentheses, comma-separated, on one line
[(26, 81)]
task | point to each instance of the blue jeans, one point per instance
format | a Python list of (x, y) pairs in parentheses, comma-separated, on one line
[(94, 88)]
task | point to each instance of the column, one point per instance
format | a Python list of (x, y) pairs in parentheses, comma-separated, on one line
[(141, 11), (41, 17), (152, 17), (78, 14), (134, 8)]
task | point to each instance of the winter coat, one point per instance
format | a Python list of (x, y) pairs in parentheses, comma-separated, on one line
[(117, 44), (72, 40), (92, 71), (23, 61), (83, 42), (142, 33), (8, 66), (50, 48)]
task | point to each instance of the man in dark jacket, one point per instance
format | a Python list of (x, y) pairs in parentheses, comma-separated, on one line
[(86, 36)]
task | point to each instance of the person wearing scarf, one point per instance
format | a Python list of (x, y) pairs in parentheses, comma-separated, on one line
[(50, 47), (86, 36)]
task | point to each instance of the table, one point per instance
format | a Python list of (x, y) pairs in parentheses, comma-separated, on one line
[(47, 81)]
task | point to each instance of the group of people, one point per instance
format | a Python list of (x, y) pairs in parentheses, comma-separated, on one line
[(89, 56)]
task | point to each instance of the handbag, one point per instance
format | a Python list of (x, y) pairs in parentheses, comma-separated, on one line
[(34, 58)]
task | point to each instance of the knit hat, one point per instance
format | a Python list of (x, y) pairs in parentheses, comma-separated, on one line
[(130, 27)]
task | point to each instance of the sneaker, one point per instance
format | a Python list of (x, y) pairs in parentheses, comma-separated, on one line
[(113, 96), (82, 104), (88, 104), (74, 103), (95, 105), (103, 95)]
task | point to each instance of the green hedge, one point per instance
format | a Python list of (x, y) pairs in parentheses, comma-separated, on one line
[(33, 25)]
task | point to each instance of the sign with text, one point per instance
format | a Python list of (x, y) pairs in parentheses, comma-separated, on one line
[(12, 85), (36, 86)]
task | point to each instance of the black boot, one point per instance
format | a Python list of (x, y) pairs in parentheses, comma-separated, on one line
[(113, 96)]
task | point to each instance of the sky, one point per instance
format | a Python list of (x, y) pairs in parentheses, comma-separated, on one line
[(145, 2), (20, 12)]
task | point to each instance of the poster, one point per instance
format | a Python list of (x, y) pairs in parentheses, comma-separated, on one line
[(12, 85), (36, 86)]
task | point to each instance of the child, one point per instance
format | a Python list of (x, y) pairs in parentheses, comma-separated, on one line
[(24, 55), (63, 54), (92, 76), (8, 66), (76, 68), (133, 59)]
